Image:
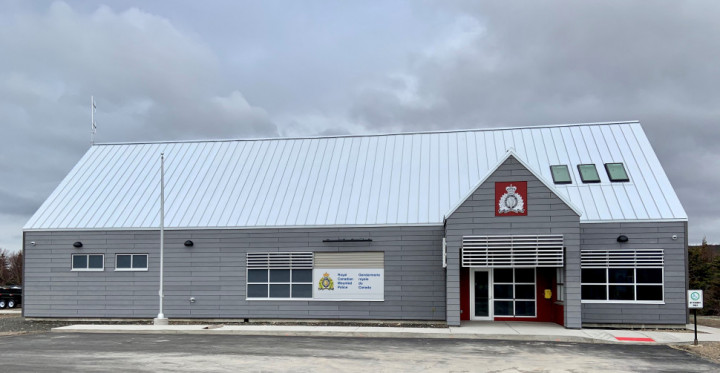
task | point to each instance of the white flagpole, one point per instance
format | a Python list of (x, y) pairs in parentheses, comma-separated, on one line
[(161, 320), (92, 120)]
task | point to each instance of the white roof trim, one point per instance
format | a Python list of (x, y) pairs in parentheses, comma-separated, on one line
[(336, 226), (678, 220), (511, 153), (318, 226), (372, 134)]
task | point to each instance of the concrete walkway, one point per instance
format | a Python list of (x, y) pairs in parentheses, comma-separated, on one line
[(524, 331)]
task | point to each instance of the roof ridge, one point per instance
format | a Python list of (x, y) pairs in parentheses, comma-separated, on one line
[(370, 135)]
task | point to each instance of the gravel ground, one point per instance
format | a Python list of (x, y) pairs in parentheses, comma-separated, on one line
[(706, 350), (713, 321), (15, 324), (12, 324)]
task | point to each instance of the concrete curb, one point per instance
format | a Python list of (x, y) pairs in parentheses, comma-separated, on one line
[(513, 331), (440, 334)]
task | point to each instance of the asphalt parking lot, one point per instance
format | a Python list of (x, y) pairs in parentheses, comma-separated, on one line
[(57, 352)]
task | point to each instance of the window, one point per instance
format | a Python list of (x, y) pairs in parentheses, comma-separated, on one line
[(588, 173), (616, 172), (88, 262), (560, 285), (622, 284), (560, 174), (279, 275), (131, 262), (514, 292), (622, 275)]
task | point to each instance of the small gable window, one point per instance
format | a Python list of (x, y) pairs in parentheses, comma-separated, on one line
[(616, 172), (560, 174), (588, 173)]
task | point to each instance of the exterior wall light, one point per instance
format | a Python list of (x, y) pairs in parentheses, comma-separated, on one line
[(622, 238), (77, 244), (189, 243)]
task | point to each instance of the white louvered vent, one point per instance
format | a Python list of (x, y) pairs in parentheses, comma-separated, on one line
[(622, 258), (293, 260), (513, 251)]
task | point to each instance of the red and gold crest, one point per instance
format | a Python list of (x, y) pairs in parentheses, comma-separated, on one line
[(511, 198)]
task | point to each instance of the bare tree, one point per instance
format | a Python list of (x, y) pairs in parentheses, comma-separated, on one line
[(4, 267), (11, 267), (16, 268)]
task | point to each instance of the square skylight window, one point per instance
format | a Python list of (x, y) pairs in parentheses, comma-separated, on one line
[(560, 174), (616, 172), (588, 173)]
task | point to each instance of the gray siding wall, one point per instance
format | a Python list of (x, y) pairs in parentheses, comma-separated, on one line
[(213, 272), (651, 235), (547, 214)]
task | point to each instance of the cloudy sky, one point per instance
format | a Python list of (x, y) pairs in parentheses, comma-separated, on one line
[(173, 70)]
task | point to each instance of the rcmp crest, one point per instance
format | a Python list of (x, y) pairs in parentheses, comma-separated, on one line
[(326, 283), (511, 201)]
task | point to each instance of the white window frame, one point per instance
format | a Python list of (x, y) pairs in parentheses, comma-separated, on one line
[(514, 283), (290, 283), (132, 269), (634, 284), (491, 303), (623, 259), (279, 260), (88, 269)]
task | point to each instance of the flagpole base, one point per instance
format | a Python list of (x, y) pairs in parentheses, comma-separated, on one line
[(160, 320)]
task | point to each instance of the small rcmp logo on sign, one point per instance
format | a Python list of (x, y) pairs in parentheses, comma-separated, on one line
[(326, 282), (511, 198)]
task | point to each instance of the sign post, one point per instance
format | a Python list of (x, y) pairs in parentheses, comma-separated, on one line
[(695, 302)]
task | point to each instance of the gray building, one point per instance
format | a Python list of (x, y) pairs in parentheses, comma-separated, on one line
[(574, 224)]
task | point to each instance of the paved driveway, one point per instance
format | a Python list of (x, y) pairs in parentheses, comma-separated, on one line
[(55, 352)]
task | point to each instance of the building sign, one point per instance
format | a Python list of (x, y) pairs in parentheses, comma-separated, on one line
[(348, 284), (695, 299), (511, 198)]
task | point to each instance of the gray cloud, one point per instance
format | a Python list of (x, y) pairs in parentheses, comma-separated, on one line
[(169, 70), (566, 62), (151, 80), (14, 204)]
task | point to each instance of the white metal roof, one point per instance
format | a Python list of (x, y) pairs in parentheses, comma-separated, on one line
[(412, 178)]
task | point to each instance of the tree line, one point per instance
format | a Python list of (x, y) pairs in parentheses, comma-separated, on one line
[(11, 267), (704, 268)]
